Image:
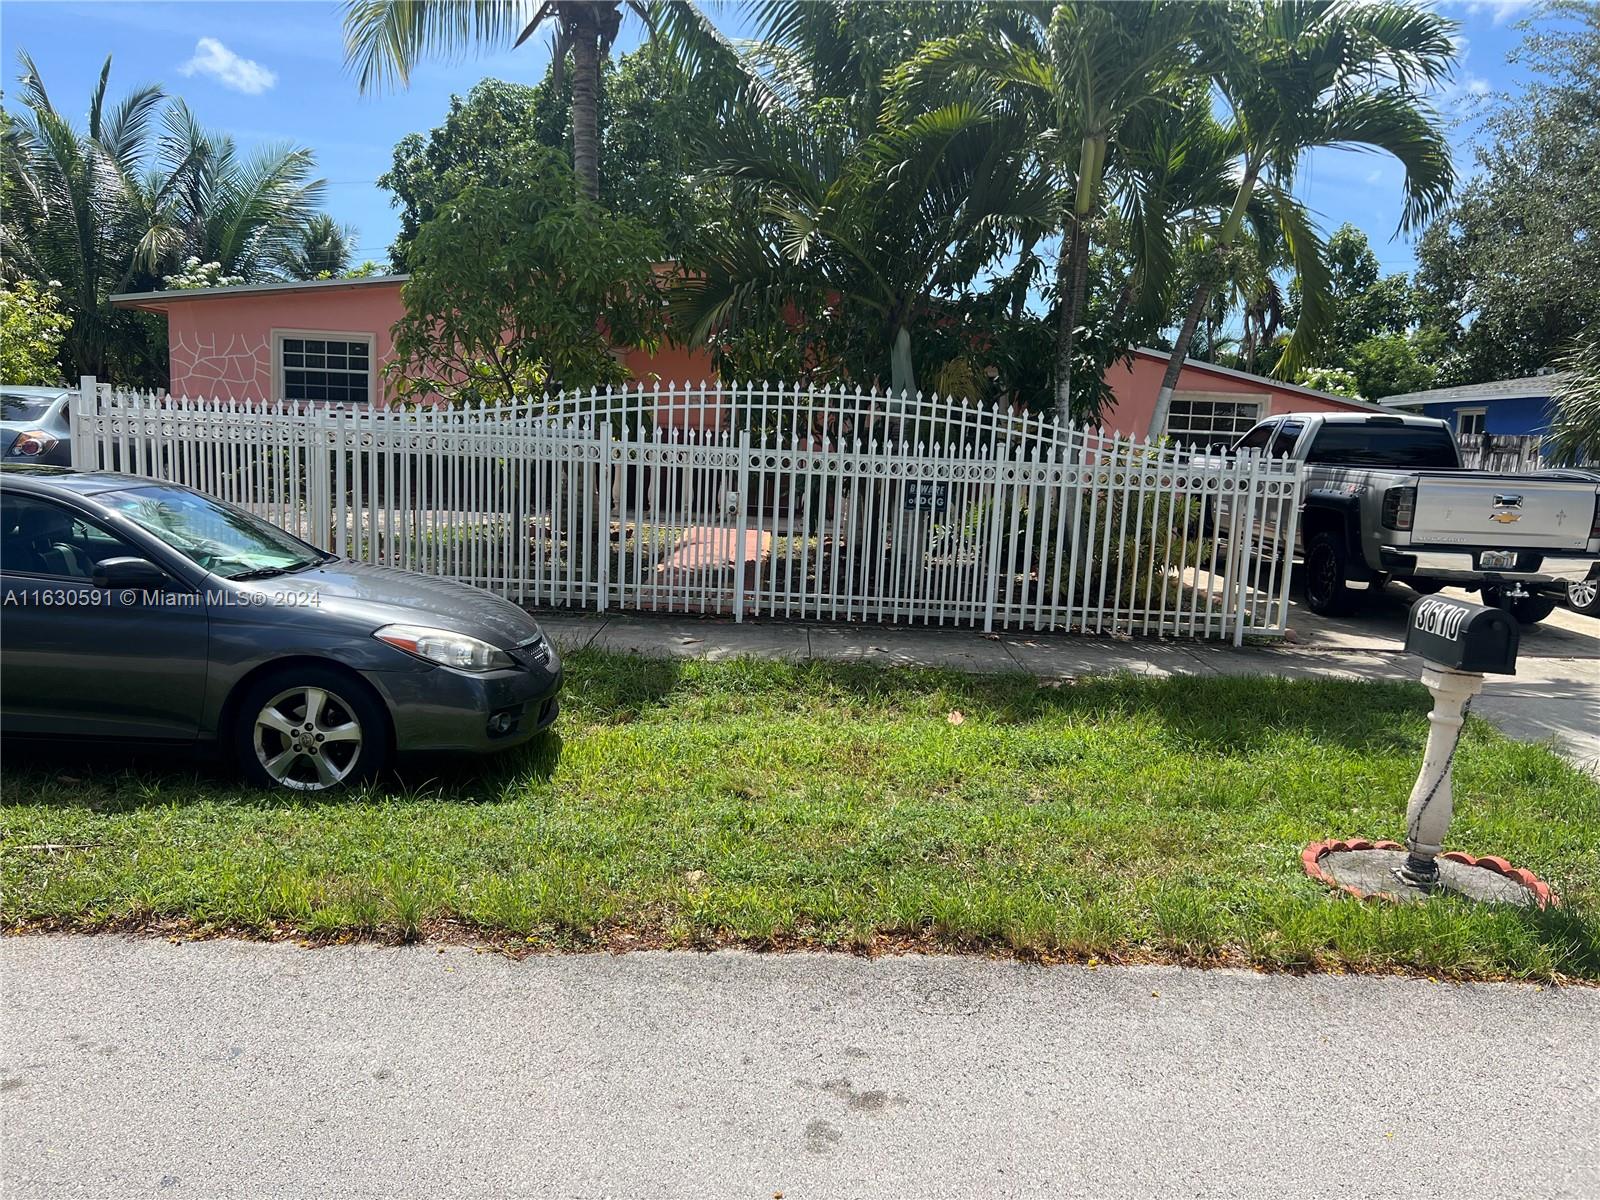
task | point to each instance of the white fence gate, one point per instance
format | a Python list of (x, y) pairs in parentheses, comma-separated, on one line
[(750, 502)]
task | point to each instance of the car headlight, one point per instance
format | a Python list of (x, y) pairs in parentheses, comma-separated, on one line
[(445, 648)]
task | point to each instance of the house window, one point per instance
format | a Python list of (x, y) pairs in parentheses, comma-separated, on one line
[(322, 368), (1211, 420), (1469, 422)]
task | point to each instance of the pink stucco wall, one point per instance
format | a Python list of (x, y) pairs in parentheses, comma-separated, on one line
[(221, 347), (1136, 386)]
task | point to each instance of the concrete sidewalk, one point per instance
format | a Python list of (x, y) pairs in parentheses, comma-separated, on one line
[(223, 1069), (1555, 695)]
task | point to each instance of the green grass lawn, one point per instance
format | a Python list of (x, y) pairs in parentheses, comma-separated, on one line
[(773, 805)]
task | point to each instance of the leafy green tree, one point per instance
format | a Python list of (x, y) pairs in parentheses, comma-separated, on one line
[(1394, 363), (1372, 322), (1509, 273), (1298, 74), (194, 274), (31, 331), (522, 285), (1335, 380), (655, 117)]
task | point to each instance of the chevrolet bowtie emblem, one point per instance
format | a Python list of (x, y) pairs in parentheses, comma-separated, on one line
[(1506, 500)]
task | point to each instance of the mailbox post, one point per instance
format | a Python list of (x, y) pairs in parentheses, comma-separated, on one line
[(1459, 643)]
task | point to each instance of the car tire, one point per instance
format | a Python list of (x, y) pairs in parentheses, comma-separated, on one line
[(1584, 597), (310, 728), (1528, 610), (1326, 593)]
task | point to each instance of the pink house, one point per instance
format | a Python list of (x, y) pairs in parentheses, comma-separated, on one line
[(1210, 403), (329, 340), (314, 340)]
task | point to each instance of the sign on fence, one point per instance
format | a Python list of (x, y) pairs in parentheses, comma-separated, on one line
[(749, 501)]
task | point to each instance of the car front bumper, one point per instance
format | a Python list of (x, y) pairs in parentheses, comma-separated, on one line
[(1460, 566), (441, 709)]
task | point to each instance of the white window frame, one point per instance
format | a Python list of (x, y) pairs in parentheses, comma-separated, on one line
[(324, 335), (1481, 413), (1259, 402)]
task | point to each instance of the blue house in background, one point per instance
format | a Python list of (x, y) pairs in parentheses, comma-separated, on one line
[(1503, 409)]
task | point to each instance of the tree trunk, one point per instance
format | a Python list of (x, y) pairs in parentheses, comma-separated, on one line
[(1071, 279), (1202, 297), (586, 110), (1072, 268), (1169, 381), (902, 377)]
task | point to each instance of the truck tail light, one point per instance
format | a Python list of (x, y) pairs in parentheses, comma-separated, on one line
[(1399, 507)]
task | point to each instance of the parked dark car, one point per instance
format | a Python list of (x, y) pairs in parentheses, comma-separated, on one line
[(34, 425), (139, 609)]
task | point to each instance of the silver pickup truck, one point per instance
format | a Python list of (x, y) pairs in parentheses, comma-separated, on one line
[(1386, 498)]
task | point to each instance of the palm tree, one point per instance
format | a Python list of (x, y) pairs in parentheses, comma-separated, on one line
[(848, 195), (1575, 427), (111, 208), (1082, 70), (384, 40), (1299, 74), (245, 213), (321, 249), (83, 211)]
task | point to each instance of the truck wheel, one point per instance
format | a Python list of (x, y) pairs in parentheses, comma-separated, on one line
[(1528, 610), (1584, 597), (1326, 593)]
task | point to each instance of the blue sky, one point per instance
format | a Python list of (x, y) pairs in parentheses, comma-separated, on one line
[(274, 71)]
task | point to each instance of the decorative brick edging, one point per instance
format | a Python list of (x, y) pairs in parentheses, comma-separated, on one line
[(1311, 857)]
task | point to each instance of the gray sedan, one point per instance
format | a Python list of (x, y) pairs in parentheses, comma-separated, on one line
[(139, 609)]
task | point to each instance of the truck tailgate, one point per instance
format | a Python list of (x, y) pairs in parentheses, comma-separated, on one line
[(1514, 511)]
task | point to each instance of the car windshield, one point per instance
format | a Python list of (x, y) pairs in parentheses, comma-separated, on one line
[(219, 537), (17, 407)]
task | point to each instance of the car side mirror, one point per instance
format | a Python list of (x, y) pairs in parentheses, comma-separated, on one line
[(128, 572)]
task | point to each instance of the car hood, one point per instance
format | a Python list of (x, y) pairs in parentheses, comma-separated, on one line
[(377, 596)]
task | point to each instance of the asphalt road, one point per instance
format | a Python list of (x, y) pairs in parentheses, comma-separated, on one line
[(134, 1068)]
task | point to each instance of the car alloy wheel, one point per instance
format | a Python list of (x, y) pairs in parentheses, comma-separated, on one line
[(1584, 596), (308, 738)]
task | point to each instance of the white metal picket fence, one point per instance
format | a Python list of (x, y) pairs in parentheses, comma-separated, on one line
[(748, 501)]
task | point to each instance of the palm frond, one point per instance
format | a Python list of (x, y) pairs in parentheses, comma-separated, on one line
[(384, 39), (1396, 123), (1307, 253)]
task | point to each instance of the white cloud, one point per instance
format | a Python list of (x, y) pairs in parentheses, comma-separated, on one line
[(245, 75), (1500, 11), (1375, 176)]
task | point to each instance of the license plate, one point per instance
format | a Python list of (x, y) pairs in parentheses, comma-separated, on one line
[(1502, 560)]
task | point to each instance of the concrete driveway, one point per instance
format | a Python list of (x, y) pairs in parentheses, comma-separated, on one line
[(1381, 625)]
